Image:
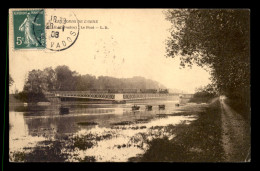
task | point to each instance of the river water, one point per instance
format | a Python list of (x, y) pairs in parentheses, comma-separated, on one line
[(121, 129)]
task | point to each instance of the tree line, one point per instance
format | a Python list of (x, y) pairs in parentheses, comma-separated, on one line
[(216, 39), (63, 79)]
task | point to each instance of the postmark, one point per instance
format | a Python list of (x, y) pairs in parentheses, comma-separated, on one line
[(29, 29), (62, 29)]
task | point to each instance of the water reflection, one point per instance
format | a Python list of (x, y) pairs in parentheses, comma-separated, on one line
[(19, 136), (17, 124)]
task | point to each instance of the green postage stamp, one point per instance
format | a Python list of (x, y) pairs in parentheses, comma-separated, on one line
[(49, 29), (29, 29)]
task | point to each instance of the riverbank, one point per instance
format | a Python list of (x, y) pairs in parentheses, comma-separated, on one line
[(200, 141), (13, 100)]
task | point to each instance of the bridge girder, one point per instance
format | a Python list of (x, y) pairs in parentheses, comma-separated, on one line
[(98, 96)]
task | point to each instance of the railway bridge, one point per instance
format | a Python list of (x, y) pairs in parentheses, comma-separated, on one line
[(114, 97)]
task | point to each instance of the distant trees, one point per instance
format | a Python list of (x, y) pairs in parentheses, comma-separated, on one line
[(50, 79), (218, 39), (11, 81), (63, 79), (206, 91), (204, 94), (35, 82)]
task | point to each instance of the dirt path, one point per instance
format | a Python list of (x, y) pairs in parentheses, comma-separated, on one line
[(235, 135)]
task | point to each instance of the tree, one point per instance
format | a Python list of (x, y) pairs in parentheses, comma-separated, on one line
[(66, 79), (218, 39), (34, 87), (11, 81), (50, 79), (35, 82), (205, 91)]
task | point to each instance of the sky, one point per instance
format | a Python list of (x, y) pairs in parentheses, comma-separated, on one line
[(133, 45)]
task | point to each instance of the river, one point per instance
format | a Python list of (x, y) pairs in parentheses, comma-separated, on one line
[(114, 132)]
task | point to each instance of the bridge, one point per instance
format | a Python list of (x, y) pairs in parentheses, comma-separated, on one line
[(116, 97)]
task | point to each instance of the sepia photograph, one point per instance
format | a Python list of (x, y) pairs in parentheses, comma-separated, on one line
[(129, 85)]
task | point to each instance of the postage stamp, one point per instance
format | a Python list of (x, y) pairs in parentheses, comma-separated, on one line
[(29, 29)]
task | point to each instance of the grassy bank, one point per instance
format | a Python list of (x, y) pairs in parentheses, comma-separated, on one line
[(30, 97), (198, 142), (201, 99), (13, 100), (240, 107)]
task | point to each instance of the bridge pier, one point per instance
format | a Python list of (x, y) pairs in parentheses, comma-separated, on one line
[(119, 102), (52, 98)]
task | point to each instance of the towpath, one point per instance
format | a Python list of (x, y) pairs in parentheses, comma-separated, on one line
[(235, 134)]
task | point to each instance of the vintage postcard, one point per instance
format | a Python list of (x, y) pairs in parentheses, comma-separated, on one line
[(129, 85)]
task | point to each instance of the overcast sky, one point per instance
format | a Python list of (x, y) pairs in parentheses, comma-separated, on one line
[(134, 45)]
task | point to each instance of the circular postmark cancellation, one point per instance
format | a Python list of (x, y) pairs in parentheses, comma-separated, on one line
[(38, 32), (61, 29)]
